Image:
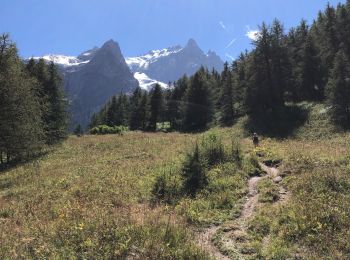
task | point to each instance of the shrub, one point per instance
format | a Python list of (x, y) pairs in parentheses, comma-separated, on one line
[(236, 153), (104, 129), (213, 149), (167, 187), (194, 172), (251, 166)]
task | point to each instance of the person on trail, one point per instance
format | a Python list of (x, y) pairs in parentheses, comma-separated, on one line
[(255, 139)]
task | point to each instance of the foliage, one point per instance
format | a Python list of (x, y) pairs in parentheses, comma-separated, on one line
[(104, 130), (167, 187), (339, 90), (265, 83), (33, 105), (208, 185)]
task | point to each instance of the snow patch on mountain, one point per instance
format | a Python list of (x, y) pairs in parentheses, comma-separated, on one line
[(147, 83), (62, 60), (143, 62)]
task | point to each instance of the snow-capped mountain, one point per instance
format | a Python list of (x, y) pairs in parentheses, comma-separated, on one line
[(94, 76), (168, 65), (157, 66)]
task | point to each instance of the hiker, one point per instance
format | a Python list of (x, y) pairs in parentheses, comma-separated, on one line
[(255, 139)]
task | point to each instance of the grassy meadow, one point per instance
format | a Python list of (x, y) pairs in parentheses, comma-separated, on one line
[(94, 197)]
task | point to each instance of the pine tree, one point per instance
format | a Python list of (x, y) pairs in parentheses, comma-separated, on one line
[(259, 86), (112, 110), (143, 111), (56, 118), (227, 110), (198, 109), (135, 100), (339, 89), (310, 87), (122, 115), (269, 71), (21, 130), (175, 103), (194, 173), (156, 107)]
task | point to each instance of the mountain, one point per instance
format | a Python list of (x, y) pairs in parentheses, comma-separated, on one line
[(92, 78), (90, 86), (170, 64)]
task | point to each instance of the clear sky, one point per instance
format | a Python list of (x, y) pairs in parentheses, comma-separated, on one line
[(72, 26)]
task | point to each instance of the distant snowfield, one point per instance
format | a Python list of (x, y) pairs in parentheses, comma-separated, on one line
[(147, 83), (62, 60), (142, 62)]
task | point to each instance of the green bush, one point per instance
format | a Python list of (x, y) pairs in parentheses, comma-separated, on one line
[(236, 153), (251, 166), (104, 129), (212, 149), (194, 173), (167, 187)]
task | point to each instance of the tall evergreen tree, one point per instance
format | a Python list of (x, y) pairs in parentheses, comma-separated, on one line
[(156, 107), (269, 71), (122, 110), (174, 107), (111, 112), (56, 118), (143, 111), (309, 83), (21, 131), (135, 100), (227, 110), (198, 109), (339, 89)]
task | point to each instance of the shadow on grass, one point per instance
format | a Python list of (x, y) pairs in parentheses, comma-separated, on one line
[(277, 124), (4, 167)]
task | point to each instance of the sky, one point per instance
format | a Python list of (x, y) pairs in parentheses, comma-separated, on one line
[(72, 26)]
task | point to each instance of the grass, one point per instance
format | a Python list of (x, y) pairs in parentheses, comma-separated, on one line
[(89, 198), (314, 222), (92, 196), (268, 191)]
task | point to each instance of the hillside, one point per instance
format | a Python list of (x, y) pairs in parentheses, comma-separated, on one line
[(93, 197)]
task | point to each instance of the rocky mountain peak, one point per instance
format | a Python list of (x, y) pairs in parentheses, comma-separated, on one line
[(192, 44)]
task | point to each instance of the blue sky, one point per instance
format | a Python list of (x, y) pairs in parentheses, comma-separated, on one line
[(71, 26)]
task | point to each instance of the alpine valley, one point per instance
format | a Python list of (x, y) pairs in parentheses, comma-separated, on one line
[(94, 76)]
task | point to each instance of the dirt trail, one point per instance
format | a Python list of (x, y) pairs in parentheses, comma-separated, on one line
[(252, 199), (236, 229), (205, 241)]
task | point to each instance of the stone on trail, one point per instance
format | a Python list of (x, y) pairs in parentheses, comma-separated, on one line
[(278, 179)]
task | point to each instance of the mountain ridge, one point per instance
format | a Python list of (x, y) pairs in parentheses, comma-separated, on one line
[(95, 75)]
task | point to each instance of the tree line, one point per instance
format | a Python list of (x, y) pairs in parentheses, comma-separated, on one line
[(33, 105), (307, 63)]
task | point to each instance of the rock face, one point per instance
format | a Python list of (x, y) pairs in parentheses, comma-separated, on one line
[(170, 64), (91, 85)]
